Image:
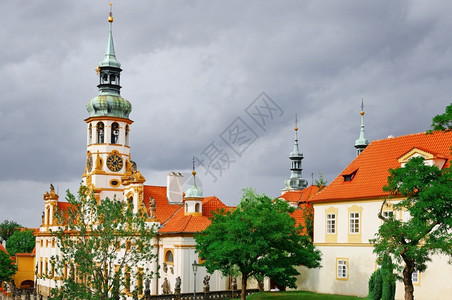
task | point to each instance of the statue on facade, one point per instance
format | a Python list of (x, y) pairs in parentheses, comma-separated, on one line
[(147, 290), (165, 267), (206, 280), (206, 283), (166, 287), (152, 208), (234, 283), (177, 286)]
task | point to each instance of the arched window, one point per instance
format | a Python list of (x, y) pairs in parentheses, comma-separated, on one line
[(127, 135), (169, 258), (100, 133), (197, 207), (114, 133), (90, 134)]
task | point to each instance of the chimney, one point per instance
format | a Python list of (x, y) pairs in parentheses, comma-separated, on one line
[(174, 192)]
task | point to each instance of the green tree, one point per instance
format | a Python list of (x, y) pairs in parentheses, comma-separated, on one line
[(257, 239), (21, 241), (443, 121), (7, 267), (7, 229), (320, 182), (427, 193), (101, 246)]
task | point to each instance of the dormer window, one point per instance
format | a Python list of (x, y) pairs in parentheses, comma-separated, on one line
[(430, 159), (349, 177)]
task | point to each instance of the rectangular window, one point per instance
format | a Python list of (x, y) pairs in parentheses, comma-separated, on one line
[(388, 214), (331, 223), (354, 222), (415, 277), (342, 269)]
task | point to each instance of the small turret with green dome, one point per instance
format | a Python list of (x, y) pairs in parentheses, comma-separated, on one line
[(361, 143), (109, 101), (193, 191), (193, 197)]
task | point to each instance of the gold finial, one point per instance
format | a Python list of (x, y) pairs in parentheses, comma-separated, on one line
[(193, 172), (98, 70), (362, 106), (110, 17), (296, 123)]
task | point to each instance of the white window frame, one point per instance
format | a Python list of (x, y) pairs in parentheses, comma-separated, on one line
[(342, 269), (354, 222), (331, 223), (415, 278)]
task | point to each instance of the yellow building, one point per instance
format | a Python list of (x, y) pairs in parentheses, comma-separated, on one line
[(346, 218), (25, 262)]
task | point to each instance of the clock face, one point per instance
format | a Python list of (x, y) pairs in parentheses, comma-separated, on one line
[(89, 163), (114, 162)]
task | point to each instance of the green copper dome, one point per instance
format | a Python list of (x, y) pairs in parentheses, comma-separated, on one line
[(193, 191), (109, 105)]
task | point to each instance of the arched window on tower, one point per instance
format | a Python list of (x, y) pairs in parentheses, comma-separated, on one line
[(114, 133), (197, 207), (90, 134), (127, 135), (100, 133)]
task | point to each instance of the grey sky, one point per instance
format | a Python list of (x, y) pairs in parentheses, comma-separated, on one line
[(190, 68)]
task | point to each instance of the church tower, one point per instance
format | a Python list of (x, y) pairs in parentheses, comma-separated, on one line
[(361, 143), (108, 127), (295, 182)]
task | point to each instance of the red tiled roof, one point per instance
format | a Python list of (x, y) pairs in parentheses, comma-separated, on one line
[(211, 205), (163, 210), (373, 163), (300, 196), (182, 223), (3, 248)]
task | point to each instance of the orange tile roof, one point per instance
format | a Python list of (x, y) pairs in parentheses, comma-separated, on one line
[(182, 223), (373, 163), (300, 196), (3, 248), (163, 210)]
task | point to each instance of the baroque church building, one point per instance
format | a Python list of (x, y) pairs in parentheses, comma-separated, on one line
[(110, 172)]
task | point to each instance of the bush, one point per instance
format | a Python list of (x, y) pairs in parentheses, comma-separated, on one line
[(375, 285)]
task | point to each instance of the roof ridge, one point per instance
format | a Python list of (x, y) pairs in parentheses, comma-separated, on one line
[(186, 223), (390, 137), (163, 225)]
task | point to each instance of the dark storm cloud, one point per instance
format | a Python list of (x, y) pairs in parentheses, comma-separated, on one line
[(192, 67)]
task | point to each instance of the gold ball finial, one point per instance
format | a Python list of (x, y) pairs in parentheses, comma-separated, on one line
[(193, 172), (110, 17), (362, 113), (296, 128)]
